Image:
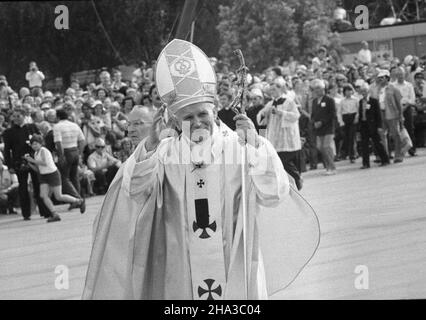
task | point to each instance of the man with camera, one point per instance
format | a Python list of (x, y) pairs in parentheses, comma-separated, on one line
[(34, 77)]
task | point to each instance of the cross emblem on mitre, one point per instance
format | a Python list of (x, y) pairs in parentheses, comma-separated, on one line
[(210, 291)]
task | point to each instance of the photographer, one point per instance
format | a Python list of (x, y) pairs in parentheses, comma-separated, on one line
[(16, 146), (34, 77)]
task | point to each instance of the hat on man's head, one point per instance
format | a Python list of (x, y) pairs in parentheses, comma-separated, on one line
[(408, 59), (418, 73), (359, 82), (383, 73), (96, 103), (256, 92), (99, 142), (184, 75)]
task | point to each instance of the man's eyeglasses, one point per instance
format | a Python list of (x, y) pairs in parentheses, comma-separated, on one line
[(100, 147)]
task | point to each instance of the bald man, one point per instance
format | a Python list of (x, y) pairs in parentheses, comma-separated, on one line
[(140, 121)]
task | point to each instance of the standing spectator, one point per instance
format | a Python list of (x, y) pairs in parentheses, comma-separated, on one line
[(226, 114), (105, 79), (408, 102), (51, 116), (103, 165), (370, 120), (140, 122), (420, 119), (348, 115), (256, 106), (69, 141), (90, 129), (281, 117), (117, 84), (8, 189), (142, 73), (364, 55), (50, 179), (323, 117), (16, 140), (34, 77), (391, 97)]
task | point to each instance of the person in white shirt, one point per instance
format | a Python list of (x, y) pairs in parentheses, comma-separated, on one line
[(364, 55), (347, 114), (70, 142), (103, 165), (117, 84), (50, 179), (34, 77), (408, 102)]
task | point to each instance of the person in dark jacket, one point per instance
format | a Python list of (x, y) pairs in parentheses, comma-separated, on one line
[(226, 114), (323, 118), (255, 107), (16, 146), (370, 123)]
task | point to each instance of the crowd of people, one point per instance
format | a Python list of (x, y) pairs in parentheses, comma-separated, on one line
[(64, 147), (71, 144), (327, 111)]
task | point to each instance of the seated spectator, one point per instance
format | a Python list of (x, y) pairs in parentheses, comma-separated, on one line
[(87, 179), (128, 104), (118, 121), (103, 165), (8, 189), (51, 116), (126, 150)]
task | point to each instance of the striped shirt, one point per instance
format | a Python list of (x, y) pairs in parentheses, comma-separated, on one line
[(67, 133)]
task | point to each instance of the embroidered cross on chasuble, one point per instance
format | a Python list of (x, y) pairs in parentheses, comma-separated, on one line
[(205, 232)]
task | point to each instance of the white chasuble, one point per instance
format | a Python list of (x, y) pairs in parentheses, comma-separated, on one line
[(167, 231)]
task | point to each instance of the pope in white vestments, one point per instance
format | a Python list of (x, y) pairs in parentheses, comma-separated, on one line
[(171, 225)]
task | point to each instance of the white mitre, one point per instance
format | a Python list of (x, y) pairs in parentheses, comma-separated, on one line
[(184, 75)]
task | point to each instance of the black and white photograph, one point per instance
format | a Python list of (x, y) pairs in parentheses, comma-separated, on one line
[(228, 150)]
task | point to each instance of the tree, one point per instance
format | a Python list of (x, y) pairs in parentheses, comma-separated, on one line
[(138, 29), (262, 29), (265, 29)]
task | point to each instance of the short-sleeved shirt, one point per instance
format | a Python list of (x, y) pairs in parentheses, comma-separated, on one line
[(67, 133), (97, 161), (50, 166)]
